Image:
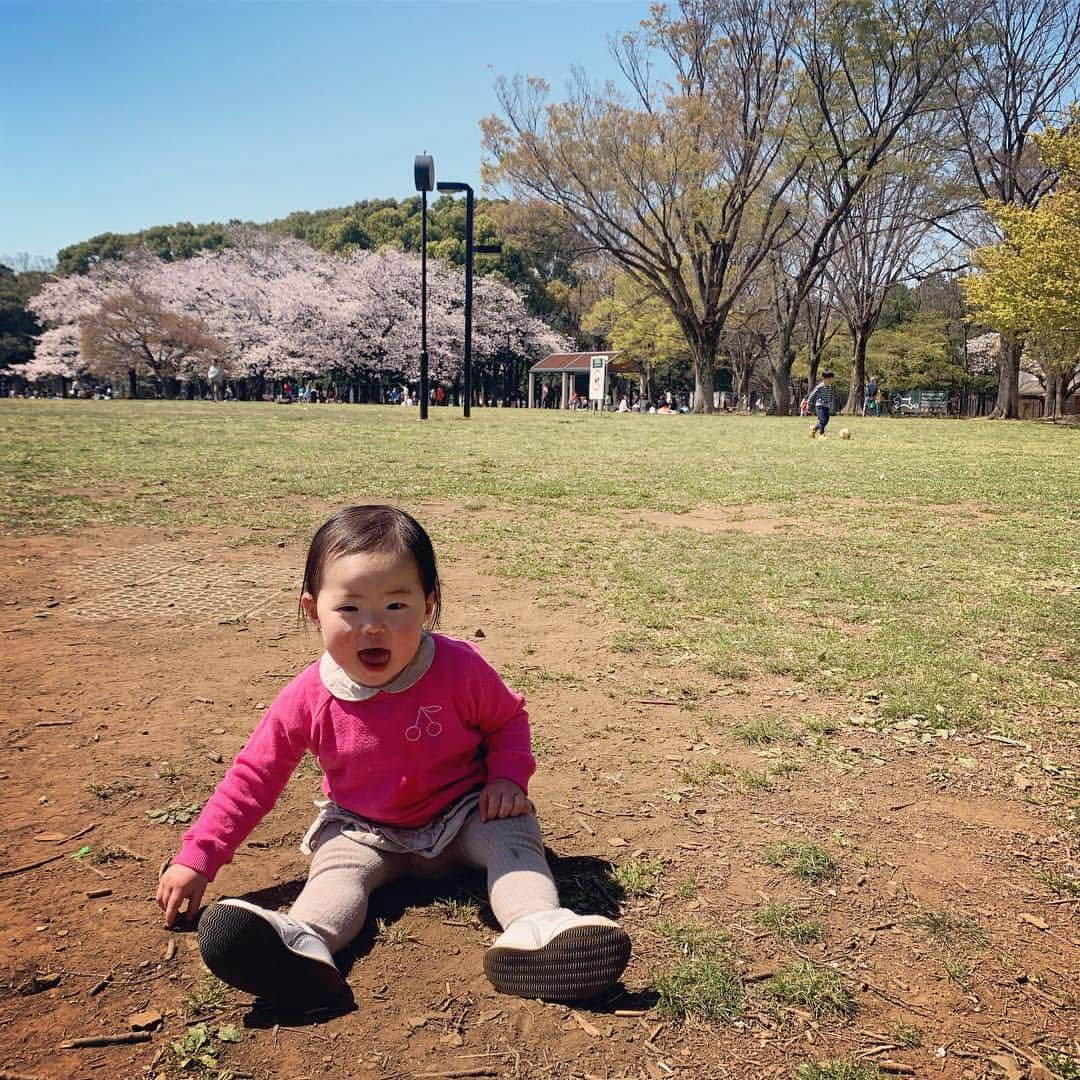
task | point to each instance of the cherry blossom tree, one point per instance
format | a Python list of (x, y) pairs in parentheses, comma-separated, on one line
[(279, 309)]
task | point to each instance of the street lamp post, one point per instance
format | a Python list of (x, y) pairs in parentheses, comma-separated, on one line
[(483, 249), (424, 178)]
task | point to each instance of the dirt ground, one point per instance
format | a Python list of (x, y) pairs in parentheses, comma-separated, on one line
[(136, 663)]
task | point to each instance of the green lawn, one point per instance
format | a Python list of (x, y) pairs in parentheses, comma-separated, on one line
[(936, 563)]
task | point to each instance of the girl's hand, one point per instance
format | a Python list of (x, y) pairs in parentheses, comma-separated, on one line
[(177, 885), (503, 798)]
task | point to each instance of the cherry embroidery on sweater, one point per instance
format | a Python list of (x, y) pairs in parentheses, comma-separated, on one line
[(424, 715)]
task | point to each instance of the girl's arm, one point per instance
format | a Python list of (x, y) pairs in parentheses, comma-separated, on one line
[(251, 787), (501, 717)]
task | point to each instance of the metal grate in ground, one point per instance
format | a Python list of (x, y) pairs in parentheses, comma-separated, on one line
[(164, 580)]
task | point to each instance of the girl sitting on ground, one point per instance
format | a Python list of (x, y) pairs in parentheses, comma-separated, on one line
[(426, 760)]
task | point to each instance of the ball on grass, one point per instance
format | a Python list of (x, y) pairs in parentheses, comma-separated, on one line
[(844, 433)]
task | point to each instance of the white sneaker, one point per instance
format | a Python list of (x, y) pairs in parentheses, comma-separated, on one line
[(558, 956), (270, 955)]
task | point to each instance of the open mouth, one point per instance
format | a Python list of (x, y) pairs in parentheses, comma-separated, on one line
[(374, 658)]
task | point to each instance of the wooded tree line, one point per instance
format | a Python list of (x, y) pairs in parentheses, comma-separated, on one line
[(765, 160), (765, 191)]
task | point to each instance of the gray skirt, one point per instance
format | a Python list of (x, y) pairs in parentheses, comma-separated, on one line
[(426, 840)]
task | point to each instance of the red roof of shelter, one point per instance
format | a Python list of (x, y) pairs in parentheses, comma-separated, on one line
[(580, 361)]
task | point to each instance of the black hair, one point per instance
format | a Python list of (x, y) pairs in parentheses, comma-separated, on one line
[(827, 375), (373, 528)]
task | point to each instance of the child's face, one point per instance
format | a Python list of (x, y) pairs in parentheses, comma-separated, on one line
[(370, 611)]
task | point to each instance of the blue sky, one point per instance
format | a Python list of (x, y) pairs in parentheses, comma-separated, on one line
[(115, 116)]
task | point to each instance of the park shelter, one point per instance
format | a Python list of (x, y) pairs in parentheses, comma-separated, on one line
[(569, 365)]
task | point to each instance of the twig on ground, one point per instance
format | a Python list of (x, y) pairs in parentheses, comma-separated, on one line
[(482, 1071), (52, 858), (31, 865), (106, 1040)]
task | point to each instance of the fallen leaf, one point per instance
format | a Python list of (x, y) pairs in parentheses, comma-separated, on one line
[(524, 1024), (1008, 1065), (145, 1021), (617, 841), (589, 1029), (1035, 920)]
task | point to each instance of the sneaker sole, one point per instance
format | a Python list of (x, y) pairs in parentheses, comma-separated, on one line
[(580, 962), (245, 951)]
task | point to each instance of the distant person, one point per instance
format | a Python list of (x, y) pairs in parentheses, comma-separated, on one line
[(426, 761), (215, 376), (870, 402), (820, 400), (624, 405)]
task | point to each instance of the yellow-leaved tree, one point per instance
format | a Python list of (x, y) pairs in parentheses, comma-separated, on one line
[(638, 323), (1029, 284)]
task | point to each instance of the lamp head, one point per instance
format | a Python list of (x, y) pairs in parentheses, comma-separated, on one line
[(424, 172)]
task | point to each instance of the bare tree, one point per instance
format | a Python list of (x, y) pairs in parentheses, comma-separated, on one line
[(680, 183), (132, 332), (1018, 75), (820, 325), (868, 71), (885, 239)]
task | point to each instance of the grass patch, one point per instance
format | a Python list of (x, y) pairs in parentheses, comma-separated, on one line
[(755, 780), (820, 725), (907, 1035), (1061, 883), (959, 971), (457, 911), (638, 877), (114, 854), (209, 996), (783, 921), (694, 940), (764, 731), (111, 790), (838, 1069), (706, 984), (705, 987), (932, 640), (809, 986), (950, 928), (806, 861), (392, 933), (1063, 1063), (687, 889)]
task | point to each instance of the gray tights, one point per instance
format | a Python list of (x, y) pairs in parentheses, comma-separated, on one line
[(344, 874)]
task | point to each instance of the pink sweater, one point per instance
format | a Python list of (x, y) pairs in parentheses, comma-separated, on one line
[(396, 758)]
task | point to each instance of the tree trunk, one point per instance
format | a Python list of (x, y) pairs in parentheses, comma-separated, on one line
[(1008, 399), (743, 387), (646, 382), (781, 365), (133, 383), (703, 359), (1056, 386), (854, 404)]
